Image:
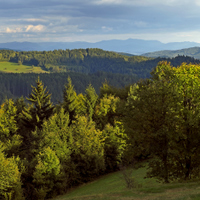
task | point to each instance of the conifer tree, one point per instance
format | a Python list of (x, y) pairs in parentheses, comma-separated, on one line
[(32, 119), (90, 101), (40, 109), (70, 102)]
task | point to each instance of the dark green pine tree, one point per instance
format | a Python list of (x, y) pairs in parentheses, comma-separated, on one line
[(32, 119), (70, 100), (41, 107), (91, 98)]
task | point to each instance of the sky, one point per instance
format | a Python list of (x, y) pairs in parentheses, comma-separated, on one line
[(97, 20)]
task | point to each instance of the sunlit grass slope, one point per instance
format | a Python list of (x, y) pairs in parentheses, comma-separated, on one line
[(9, 67), (112, 186)]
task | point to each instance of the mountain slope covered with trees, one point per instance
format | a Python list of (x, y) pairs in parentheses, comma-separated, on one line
[(47, 149), (84, 66)]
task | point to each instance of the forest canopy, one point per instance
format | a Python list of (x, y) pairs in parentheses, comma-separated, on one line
[(84, 66), (89, 61), (48, 148)]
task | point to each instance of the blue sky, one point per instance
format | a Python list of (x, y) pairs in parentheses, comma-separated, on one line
[(96, 20)]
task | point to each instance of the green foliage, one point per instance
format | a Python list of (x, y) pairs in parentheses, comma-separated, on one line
[(57, 135), (8, 128), (153, 119), (90, 101), (46, 171), (17, 85), (7, 119), (165, 121), (187, 82), (41, 107), (10, 184), (88, 149), (70, 103), (87, 135), (106, 111), (107, 89), (115, 145), (87, 61)]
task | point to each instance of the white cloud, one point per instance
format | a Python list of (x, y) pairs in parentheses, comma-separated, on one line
[(16, 30), (95, 20), (31, 28), (8, 30), (35, 20)]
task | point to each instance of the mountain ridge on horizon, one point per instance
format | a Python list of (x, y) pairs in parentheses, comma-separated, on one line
[(131, 46), (191, 52)]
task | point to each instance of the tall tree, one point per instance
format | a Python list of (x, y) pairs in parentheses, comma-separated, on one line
[(40, 109), (152, 118), (90, 101), (32, 119), (88, 149), (187, 82), (70, 100)]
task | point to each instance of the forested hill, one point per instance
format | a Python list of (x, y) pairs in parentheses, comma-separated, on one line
[(192, 52), (78, 60), (89, 61), (84, 66)]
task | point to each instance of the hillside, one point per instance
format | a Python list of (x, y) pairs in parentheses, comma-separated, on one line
[(84, 66), (77, 60), (88, 61), (192, 52), (113, 186)]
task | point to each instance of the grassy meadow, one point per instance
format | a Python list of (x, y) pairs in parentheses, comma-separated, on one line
[(113, 186), (10, 67)]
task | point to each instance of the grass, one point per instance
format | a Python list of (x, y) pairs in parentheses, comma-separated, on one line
[(10, 67), (112, 186)]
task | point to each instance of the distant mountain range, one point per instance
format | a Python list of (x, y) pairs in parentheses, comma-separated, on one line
[(130, 46)]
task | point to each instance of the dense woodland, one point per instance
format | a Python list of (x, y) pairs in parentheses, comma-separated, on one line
[(84, 66), (47, 148), (89, 61), (17, 85)]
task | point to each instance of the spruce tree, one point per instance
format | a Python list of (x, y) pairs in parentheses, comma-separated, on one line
[(90, 101), (40, 109), (70, 100)]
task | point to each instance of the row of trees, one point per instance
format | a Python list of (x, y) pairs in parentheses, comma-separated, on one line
[(46, 149), (51, 148), (17, 85)]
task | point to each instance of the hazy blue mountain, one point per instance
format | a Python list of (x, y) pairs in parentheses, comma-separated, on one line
[(192, 52), (130, 46)]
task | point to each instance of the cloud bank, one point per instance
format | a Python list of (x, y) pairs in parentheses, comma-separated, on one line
[(94, 20)]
